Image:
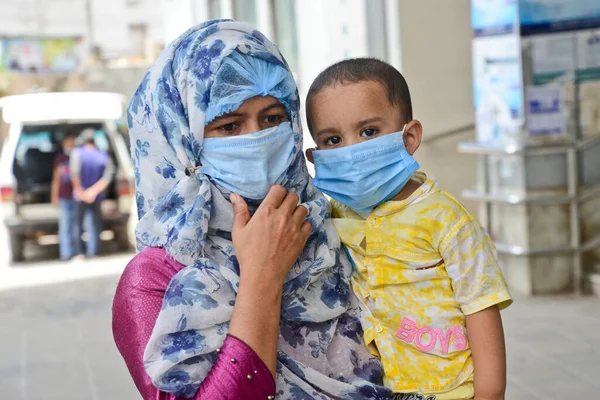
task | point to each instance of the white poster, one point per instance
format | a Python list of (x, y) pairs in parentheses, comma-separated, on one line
[(498, 89), (553, 54), (588, 73), (588, 50)]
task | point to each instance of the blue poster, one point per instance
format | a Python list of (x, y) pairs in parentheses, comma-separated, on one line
[(546, 115), (494, 17), (545, 16)]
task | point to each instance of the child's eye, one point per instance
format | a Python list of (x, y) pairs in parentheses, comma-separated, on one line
[(230, 127), (332, 141), (368, 132)]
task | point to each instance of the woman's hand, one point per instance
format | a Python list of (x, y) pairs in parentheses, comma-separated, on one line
[(268, 244)]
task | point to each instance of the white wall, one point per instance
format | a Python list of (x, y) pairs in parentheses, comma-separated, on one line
[(111, 20), (435, 39), (436, 61), (34, 17)]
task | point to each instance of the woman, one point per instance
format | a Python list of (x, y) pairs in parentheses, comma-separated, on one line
[(219, 304)]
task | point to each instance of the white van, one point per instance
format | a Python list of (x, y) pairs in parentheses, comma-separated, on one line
[(36, 125)]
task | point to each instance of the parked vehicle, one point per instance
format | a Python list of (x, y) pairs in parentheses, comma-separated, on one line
[(36, 125)]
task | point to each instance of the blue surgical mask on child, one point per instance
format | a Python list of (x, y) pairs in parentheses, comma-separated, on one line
[(249, 164), (367, 174)]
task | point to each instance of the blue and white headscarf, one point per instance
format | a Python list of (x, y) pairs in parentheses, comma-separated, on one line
[(321, 352)]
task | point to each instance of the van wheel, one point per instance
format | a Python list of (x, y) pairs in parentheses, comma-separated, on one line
[(122, 239), (16, 247)]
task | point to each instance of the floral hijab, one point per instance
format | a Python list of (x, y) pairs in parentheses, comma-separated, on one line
[(321, 352)]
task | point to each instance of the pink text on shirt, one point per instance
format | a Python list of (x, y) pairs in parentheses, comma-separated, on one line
[(426, 337)]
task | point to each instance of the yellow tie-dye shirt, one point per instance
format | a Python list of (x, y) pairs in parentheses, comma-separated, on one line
[(421, 265)]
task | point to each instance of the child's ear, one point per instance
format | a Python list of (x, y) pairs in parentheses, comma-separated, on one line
[(309, 155), (412, 136)]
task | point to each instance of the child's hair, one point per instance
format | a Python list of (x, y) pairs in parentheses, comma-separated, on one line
[(364, 70)]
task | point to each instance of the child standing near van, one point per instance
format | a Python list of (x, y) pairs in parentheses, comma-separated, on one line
[(425, 269)]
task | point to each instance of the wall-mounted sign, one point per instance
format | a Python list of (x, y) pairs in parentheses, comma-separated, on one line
[(543, 16), (494, 17), (39, 55)]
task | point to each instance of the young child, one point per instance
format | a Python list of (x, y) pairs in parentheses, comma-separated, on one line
[(425, 269)]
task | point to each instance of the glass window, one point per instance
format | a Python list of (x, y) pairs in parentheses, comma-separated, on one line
[(45, 139), (214, 9), (376, 29), (286, 36), (36, 152), (36, 140), (245, 11), (138, 34)]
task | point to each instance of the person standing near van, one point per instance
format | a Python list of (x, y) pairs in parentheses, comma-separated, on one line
[(91, 171), (62, 197)]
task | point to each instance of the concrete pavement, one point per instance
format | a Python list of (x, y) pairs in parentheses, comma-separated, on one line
[(56, 344)]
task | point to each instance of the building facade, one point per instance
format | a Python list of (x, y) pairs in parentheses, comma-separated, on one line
[(109, 29)]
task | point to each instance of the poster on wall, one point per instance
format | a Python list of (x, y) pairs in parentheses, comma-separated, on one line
[(553, 57), (494, 17), (544, 16), (39, 55), (588, 78), (498, 89), (546, 113)]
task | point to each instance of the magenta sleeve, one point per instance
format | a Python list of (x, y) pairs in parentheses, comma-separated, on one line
[(238, 372)]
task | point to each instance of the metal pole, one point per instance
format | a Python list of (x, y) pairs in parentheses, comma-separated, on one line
[(573, 178), (573, 171), (483, 186)]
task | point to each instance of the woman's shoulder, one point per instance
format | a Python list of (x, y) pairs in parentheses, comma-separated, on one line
[(152, 268)]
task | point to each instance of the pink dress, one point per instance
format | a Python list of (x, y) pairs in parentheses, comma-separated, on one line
[(136, 306)]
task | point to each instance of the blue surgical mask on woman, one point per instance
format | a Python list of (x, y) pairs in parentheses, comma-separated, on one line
[(251, 164), (364, 175)]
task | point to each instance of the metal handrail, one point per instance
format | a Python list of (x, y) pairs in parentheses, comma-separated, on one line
[(521, 251), (545, 198), (509, 150), (443, 135), (473, 194)]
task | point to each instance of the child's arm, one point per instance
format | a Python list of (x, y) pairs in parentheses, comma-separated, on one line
[(480, 290), (486, 337)]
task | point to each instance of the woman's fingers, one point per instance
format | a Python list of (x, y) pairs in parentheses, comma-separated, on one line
[(275, 197), (241, 214), (300, 214), (306, 230), (290, 203)]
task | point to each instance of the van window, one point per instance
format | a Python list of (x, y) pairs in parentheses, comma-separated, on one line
[(40, 144), (38, 140)]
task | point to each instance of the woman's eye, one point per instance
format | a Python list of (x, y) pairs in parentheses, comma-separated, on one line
[(228, 127), (332, 141), (273, 119), (368, 132)]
